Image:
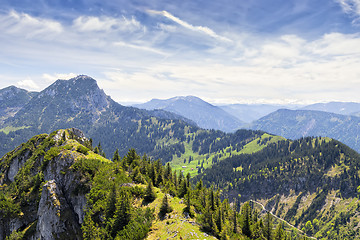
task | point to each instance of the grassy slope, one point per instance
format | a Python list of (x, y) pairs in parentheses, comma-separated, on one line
[(175, 225), (254, 146)]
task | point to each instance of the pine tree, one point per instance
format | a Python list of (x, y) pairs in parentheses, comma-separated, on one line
[(235, 225), (116, 157), (150, 194), (279, 232), (122, 214), (268, 227), (246, 219), (165, 207)]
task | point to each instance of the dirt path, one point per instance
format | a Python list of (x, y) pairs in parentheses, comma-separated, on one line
[(263, 207)]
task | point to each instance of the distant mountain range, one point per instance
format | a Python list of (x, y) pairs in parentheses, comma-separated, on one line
[(80, 103), (12, 99), (294, 124), (204, 114), (344, 108), (251, 112)]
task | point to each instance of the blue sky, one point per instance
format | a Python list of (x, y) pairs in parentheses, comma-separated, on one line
[(256, 51)]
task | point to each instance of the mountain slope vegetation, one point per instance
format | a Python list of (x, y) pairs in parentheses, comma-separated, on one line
[(56, 186), (310, 181), (80, 103)]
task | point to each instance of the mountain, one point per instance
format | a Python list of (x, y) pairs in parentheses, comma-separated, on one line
[(250, 112), (204, 114), (80, 103), (12, 99), (55, 186), (344, 108), (312, 183), (294, 124)]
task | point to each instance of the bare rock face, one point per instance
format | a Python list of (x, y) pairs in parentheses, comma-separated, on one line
[(61, 209), (55, 216)]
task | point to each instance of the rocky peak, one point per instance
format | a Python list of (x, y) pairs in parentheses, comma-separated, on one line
[(57, 213)]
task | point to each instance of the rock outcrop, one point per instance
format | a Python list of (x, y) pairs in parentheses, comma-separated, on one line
[(56, 209)]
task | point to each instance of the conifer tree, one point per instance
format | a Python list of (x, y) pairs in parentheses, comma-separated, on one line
[(165, 207), (268, 227), (150, 194), (122, 214), (246, 219), (116, 157), (279, 233)]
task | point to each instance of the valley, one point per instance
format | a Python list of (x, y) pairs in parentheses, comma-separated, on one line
[(310, 183)]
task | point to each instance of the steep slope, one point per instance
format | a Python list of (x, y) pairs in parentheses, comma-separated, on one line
[(202, 113), (294, 124), (33, 179), (344, 108), (56, 187), (12, 99), (311, 180), (80, 103)]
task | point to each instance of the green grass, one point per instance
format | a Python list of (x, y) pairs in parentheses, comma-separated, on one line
[(175, 225), (178, 162), (9, 129)]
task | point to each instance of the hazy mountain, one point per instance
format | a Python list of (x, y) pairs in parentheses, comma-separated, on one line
[(345, 108), (204, 114), (12, 99), (294, 124), (251, 112), (80, 103)]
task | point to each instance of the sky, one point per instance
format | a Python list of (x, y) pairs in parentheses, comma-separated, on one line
[(228, 51)]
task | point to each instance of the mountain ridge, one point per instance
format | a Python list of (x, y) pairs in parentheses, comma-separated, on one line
[(204, 114), (294, 124)]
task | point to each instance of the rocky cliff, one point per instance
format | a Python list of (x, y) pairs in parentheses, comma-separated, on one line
[(41, 195)]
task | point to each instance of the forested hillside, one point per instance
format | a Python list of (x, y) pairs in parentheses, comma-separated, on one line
[(294, 124), (310, 181), (56, 187), (80, 103)]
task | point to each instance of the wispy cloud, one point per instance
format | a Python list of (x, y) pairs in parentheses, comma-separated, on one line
[(140, 47), (351, 7), (200, 29), (93, 23), (28, 26)]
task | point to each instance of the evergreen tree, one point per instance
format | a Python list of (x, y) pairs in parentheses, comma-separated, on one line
[(116, 157), (268, 227), (122, 214), (246, 219), (279, 233), (150, 194), (165, 207)]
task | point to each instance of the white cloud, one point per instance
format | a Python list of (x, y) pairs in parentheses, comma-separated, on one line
[(286, 69), (351, 7), (140, 47), (336, 44), (106, 24), (29, 26), (201, 29), (49, 78), (28, 84)]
